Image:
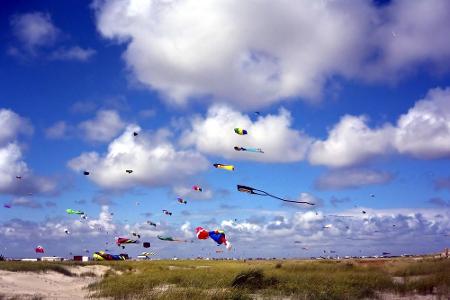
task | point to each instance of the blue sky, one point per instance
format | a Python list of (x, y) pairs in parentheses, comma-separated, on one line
[(353, 103)]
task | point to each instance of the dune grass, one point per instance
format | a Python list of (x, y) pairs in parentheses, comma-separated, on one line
[(272, 279), (287, 279)]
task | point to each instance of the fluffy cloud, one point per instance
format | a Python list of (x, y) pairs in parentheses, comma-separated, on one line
[(57, 130), (11, 159), (73, 53), (215, 135), (153, 159), (256, 53), (104, 127), (36, 34), (351, 142), (34, 30), (351, 178), (12, 125), (423, 132)]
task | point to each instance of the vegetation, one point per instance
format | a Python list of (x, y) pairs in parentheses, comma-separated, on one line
[(287, 279)]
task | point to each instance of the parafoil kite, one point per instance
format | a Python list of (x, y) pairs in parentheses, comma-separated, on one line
[(181, 200), (146, 245), (151, 223), (129, 171), (18, 177), (165, 211), (39, 249), (170, 239), (217, 235), (101, 255), (86, 173), (240, 131), (197, 188), (225, 167), (250, 190), (121, 241), (74, 212), (248, 149)]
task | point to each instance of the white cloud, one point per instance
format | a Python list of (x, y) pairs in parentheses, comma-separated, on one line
[(75, 53), (11, 159), (424, 131), (215, 135), (12, 124), (57, 130), (254, 54), (187, 193), (25, 202), (351, 142), (153, 159), (104, 127), (34, 30), (352, 178)]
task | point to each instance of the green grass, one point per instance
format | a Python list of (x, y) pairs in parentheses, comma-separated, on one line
[(348, 279)]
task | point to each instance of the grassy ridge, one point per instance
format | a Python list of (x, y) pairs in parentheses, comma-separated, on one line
[(349, 279), (294, 279)]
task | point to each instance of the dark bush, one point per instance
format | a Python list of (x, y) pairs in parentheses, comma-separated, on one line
[(253, 280)]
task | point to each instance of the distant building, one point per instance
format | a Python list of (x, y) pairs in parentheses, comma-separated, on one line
[(51, 258)]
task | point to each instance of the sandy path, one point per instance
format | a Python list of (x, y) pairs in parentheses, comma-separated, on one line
[(50, 285)]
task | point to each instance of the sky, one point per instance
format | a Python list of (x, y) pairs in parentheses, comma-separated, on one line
[(349, 100)]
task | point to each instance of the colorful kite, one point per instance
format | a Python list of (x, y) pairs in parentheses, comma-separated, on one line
[(197, 188), (248, 149), (250, 190), (217, 235), (101, 255), (170, 239), (121, 241), (225, 167), (151, 223), (181, 200), (39, 249), (166, 212), (74, 212), (240, 131)]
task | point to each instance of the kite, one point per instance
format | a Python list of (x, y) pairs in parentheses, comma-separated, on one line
[(120, 241), (250, 190), (385, 253), (327, 226), (86, 173), (151, 223), (165, 211), (182, 201), (6, 205), (197, 188), (146, 245), (364, 212), (136, 234), (101, 255), (18, 177), (135, 133), (225, 167), (170, 239), (217, 235), (66, 231), (39, 249), (129, 171), (305, 248), (240, 131), (74, 212), (248, 149), (297, 242)]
